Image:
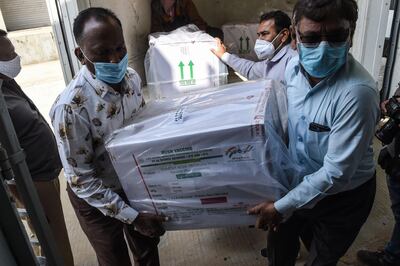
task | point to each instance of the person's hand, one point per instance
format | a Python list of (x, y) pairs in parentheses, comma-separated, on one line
[(150, 225), (221, 49), (268, 216), (383, 107), (385, 159)]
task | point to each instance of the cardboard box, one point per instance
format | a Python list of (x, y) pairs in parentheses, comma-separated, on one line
[(240, 39), (181, 62), (204, 159)]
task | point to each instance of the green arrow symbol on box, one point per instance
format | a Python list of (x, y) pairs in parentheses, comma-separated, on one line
[(248, 43), (181, 66), (191, 69)]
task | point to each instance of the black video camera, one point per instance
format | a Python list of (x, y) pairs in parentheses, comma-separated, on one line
[(389, 130)]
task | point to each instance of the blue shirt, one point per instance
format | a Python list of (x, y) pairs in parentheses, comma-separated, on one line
[(338, 158)]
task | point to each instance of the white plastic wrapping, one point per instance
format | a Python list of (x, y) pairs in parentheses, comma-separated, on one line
[(240, 39), (181, 62), (204, 159)]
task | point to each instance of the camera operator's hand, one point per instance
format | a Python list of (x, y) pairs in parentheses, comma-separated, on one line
[(385, 159), (383, 107), (150, 224)]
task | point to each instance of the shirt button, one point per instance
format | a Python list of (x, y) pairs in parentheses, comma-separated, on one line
[(303, 117), (300, 139)]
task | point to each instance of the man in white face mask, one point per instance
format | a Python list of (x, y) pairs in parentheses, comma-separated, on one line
[(34, 134), (272, 48)]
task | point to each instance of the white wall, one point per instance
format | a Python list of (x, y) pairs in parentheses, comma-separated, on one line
[(2, 24), (218, 12), (370, 34), (396, 73), (34, 45)]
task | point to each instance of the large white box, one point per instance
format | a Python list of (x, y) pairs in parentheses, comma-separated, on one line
[(204, 159), (181, 62), (240, 39)]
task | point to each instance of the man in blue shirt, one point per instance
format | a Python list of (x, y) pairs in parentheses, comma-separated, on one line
[(333, 108)]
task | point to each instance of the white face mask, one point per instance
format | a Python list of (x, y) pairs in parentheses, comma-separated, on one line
[(265, 49), (11, 68)]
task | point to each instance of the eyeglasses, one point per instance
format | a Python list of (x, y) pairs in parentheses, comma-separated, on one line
[(335, 38)]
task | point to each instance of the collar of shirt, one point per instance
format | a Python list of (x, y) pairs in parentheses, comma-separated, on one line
[(280, 54), (99, 86)]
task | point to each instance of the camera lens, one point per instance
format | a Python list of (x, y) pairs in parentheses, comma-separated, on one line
[(387, 132)]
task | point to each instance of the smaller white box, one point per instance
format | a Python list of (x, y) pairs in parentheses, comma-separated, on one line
[(181, 62), (240, 39)]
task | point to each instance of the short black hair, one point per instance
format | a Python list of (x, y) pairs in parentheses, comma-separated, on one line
[(3, 33), (319, 10), (97, 13), (282, 20)]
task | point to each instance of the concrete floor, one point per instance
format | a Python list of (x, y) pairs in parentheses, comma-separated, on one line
[(228, 246)]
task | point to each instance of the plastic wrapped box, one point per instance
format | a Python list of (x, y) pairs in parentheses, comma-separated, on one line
[(181, 62), (240, 39), (204, 159)]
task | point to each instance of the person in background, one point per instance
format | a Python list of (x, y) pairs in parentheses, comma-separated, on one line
[(389, 160), (333, 108), (272, 48), (168, 15), (37, 140), (103, 97)]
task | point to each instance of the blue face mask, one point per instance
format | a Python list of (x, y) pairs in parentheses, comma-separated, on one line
[(111, 73), (324, 60)]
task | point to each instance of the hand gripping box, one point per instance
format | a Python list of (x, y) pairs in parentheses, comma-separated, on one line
[(181, 62), (204, 159), (240, 39)]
